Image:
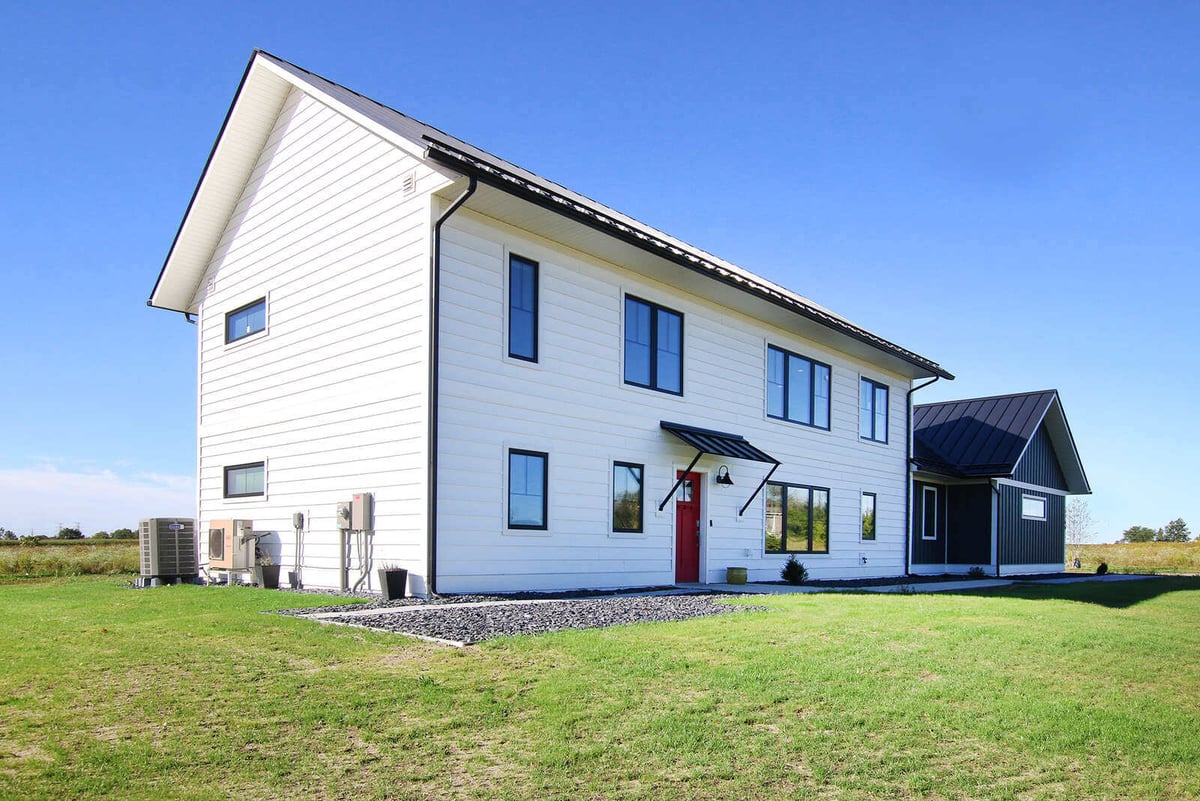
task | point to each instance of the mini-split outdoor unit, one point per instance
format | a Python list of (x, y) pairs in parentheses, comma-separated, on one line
[(231, 544), (168, 547)]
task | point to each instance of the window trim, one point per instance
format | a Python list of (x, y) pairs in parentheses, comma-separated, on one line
[(242, 308), (508, 306), (545, 457), (811, 518), (654, 308), (225, 480), (924, 525), (874, 514), (875, 385), (1025, 496), (641, 526), (812, 389)]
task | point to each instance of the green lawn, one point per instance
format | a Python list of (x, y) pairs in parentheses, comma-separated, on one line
[(1083, 691)]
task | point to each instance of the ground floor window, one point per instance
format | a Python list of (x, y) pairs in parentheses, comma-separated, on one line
[(1033, 507), (797, 519), (929, 505), (527, 483), (627, 497), (867, 529)]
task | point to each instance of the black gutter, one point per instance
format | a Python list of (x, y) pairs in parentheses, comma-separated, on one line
[(908, 466), (521, 187), (435, 269)]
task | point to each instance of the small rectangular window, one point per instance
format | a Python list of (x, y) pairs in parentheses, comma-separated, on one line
[(1033, 507), (653, 346), (522, 308), (245, 480), (867, 529), (246, 320), (929, 513), (627, 497), (872, 410), (527, 484), (797, 519), (797, 388)]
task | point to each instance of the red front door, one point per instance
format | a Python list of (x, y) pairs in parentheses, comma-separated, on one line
[(687, 528)]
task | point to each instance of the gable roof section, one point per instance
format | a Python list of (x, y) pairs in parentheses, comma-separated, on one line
[(264, 88), (987, 437)]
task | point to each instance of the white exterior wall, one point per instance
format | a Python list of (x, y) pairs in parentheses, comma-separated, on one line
[(574, 405), (332, 396)]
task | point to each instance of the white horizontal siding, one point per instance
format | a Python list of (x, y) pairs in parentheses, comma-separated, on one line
[(574, 405), (333, 395)]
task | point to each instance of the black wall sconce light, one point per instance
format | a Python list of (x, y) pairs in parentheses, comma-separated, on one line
[(723, 476)]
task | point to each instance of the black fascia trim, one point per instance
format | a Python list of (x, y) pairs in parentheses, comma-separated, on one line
[(828, 503), (812, 389), (537, 322), (654, 308), (225, 480), (196, 192), (231, 312), (545, 457), (641, 527), (552, 201)]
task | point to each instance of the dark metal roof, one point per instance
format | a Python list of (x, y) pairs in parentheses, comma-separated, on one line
[(719, 443), (977, 437)]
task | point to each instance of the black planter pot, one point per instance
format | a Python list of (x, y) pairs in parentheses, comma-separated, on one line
[(267, 576), (393, 582)]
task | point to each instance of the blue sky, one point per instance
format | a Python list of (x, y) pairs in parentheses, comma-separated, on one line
[(1009, 190)]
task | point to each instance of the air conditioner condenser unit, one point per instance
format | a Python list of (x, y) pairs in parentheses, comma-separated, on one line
[(231, 544)]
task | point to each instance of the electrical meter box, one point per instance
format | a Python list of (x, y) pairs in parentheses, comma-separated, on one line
[(362, 512), (343, 515), (298, 520), (231, 544)]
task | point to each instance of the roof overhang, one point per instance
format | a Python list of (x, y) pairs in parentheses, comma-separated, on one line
[(1055, 422)]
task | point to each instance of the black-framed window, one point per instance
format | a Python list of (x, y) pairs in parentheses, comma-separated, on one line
[(246, 320), (797, 388), (627, 497), (246, 480), (527, 485), (929, 513), (867, 524), (797, 519), (873, 410), (522, 308), (653, 346)]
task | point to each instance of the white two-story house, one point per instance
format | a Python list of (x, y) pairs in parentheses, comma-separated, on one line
[(537, 391)]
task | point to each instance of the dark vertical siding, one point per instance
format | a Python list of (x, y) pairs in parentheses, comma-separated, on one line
[(928, 552), (969, 524), (1024, 542), (1040, 465)]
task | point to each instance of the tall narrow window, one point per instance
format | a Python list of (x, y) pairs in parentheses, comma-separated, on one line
[(872, 410), (929, 513), (797, 519), (653, 346), (867, 530), (797, 388), (627, 497), (245, 480), (246, 320), (527, 489), (522, 308)]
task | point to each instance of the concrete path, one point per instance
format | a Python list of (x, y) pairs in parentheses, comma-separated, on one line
[(949, 585)]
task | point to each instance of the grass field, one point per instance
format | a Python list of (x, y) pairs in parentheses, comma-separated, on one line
[(1142, 557), (1081, 691), (68, 558)]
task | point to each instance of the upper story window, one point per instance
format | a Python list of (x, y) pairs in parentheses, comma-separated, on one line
[(873, 410), (245, 480), (522, 308), (1033, 507), (246, 320), (797, 388), (797, 519), (627, 497), (653, 346), (527, 485)]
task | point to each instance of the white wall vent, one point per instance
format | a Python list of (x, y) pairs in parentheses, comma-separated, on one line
[(167, 546), (408, 184)]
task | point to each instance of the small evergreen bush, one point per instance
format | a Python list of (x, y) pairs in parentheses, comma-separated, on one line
[(794, 572), (976, 572)]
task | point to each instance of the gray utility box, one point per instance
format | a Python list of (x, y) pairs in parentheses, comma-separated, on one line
[(362, 512), (168, 547)]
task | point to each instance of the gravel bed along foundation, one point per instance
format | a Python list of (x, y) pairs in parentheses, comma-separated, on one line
[(484, 621)]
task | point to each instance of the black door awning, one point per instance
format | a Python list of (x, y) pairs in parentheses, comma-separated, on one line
[(718, 443)]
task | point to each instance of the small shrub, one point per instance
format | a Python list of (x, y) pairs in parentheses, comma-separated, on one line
[(976, 572), (1102, 569), (794, 572)]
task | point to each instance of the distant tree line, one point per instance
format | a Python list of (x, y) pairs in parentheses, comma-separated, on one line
[(1175, 531), (69, 533)]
